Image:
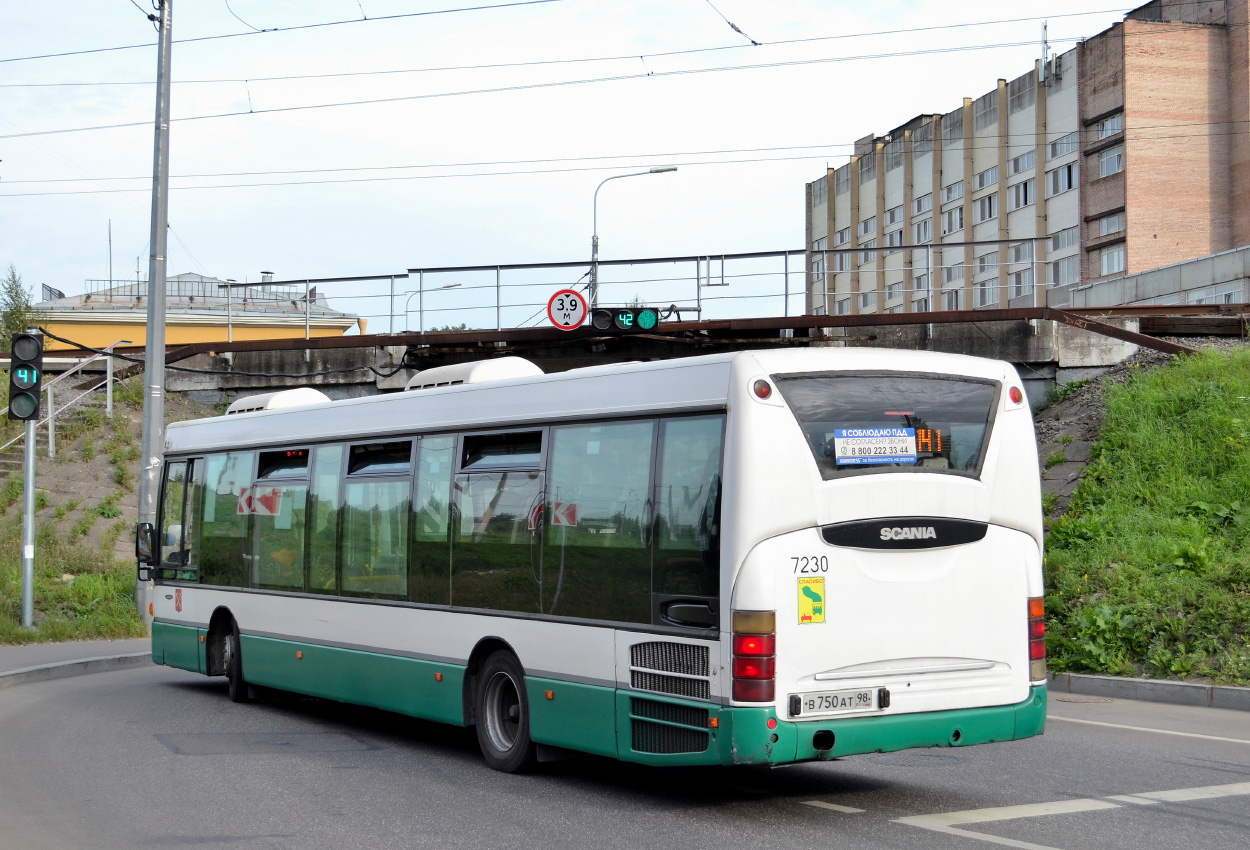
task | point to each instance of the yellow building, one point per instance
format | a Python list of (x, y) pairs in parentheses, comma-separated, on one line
[(197, 309)]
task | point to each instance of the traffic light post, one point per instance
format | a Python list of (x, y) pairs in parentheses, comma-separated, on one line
[(25, 381)]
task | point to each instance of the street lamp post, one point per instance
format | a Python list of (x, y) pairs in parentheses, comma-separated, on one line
[(420, 293), (594, 238)]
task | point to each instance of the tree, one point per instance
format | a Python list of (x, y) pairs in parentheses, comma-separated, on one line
[(16, 313)]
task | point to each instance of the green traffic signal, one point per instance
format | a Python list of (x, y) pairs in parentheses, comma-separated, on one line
[(25, 374), (625, 319)]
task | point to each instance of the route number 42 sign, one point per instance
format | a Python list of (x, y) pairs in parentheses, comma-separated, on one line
[(567, 310)]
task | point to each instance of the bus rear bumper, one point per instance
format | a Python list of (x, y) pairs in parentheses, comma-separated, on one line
[(797, 740)]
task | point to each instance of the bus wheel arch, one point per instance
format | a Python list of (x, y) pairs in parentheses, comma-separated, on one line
[(486, 647)]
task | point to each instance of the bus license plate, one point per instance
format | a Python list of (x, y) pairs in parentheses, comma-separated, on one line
[(826, 702)]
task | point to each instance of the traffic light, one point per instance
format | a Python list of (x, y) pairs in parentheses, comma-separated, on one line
[(25, 376), (625, 320)]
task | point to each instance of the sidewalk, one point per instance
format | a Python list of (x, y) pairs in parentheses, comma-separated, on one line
[(37, 662)]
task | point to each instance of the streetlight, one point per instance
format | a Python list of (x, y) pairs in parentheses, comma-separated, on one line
[(594, 238), (421, 302)]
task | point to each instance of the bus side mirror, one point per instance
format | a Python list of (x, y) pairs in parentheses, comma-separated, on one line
[(145, 539)]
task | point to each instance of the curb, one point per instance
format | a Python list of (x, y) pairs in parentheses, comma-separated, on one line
[(82, 667), (1152, 690)]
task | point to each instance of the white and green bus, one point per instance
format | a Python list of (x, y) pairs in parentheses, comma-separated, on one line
[(744, 558)]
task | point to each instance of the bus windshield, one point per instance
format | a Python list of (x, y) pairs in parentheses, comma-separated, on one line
[(858, 423)]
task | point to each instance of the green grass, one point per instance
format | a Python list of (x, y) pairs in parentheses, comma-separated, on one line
[(1054, 459), (1148, 572), (1059, 393), (98, 602)]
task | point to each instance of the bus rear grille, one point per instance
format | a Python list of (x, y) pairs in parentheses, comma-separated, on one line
[(666, 740), (683, 714), (693, 688), (690, 659)]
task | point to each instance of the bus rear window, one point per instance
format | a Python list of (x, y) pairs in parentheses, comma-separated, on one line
[(860, 423)]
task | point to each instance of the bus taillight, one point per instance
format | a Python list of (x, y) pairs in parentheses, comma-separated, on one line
[(754, 661), (1037, 638)]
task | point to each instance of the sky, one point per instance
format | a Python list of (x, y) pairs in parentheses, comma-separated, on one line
[(391, 145)]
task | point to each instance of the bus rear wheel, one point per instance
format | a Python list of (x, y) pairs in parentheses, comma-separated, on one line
[(503, 724), (232, 660)]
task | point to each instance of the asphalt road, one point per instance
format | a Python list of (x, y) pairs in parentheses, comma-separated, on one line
[(159, 758)]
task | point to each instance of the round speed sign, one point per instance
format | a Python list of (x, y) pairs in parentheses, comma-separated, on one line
[(567, 310)]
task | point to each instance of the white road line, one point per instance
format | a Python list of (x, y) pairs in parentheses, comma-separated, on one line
[(945, 822), (833, 807), (1148, 729)]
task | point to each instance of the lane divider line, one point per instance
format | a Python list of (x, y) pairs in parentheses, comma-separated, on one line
[(833, 807), (1148, 729)]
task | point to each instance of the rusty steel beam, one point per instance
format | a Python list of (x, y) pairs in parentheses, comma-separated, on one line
[(1087, 324)]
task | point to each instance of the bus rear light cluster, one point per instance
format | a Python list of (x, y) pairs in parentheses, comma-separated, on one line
[(755, 656), (1037, 638)]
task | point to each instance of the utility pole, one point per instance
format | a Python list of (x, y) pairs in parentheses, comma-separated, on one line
[(154, 355)]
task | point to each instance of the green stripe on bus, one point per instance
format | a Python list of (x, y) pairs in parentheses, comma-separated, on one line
[(388, 682), (577, 717), (178, 646)]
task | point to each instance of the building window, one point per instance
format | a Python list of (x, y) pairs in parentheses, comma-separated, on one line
[(893, 291), (842, 307), (988, 177), (1064, 145), (868, 225), (867, 169), (868, 256), (921, 305), (952, 220), (1061, 179), (1021, 283), (953, 126), (1021, 252), (987, 262), (1111, 161), (820, 192), (1111, 259), (894, 238), (985, 111), (1023, 162), (867, 300), (1066, 271), (1110, 126), (986, 293), (952, 274), (893, 215), (1065, 238), (985, 208), (953, 191), (923, 231), (1228, 293), (821, 244), (953, 299), (922, 205), (920, 284), (1021, 194), (842, 236), (842, 261), (894, 154), (842, 180), (897, 308), (1109, 224), (1020, 93)]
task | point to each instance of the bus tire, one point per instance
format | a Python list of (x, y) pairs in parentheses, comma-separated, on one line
[(232, 658), (502, 712)]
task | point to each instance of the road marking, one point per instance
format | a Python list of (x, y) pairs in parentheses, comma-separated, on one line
[(1148, 729), (833, 807), (945, 822)]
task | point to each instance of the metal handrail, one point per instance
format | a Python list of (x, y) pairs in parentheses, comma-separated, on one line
[(105, 352)]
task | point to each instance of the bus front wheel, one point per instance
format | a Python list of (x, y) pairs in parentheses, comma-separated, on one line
[(232, 660), (503, 724)]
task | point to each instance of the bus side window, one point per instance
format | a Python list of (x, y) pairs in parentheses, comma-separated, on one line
[(596, 557), (224, 523), (375, 519), (430, 576), (323, 522), (279, 504), (687, 508)]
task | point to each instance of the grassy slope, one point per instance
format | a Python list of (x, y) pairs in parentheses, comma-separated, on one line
[(1148, 572)]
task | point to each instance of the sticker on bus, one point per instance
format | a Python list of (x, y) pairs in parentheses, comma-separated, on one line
[(858, 446), (811, 600)]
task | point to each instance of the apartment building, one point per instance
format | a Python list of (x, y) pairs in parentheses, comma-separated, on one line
[(1123, 154)]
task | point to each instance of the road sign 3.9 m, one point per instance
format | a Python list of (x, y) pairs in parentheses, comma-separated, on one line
[(567, 310)]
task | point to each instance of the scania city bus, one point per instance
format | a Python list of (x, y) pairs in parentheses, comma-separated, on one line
[(754, 557)]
